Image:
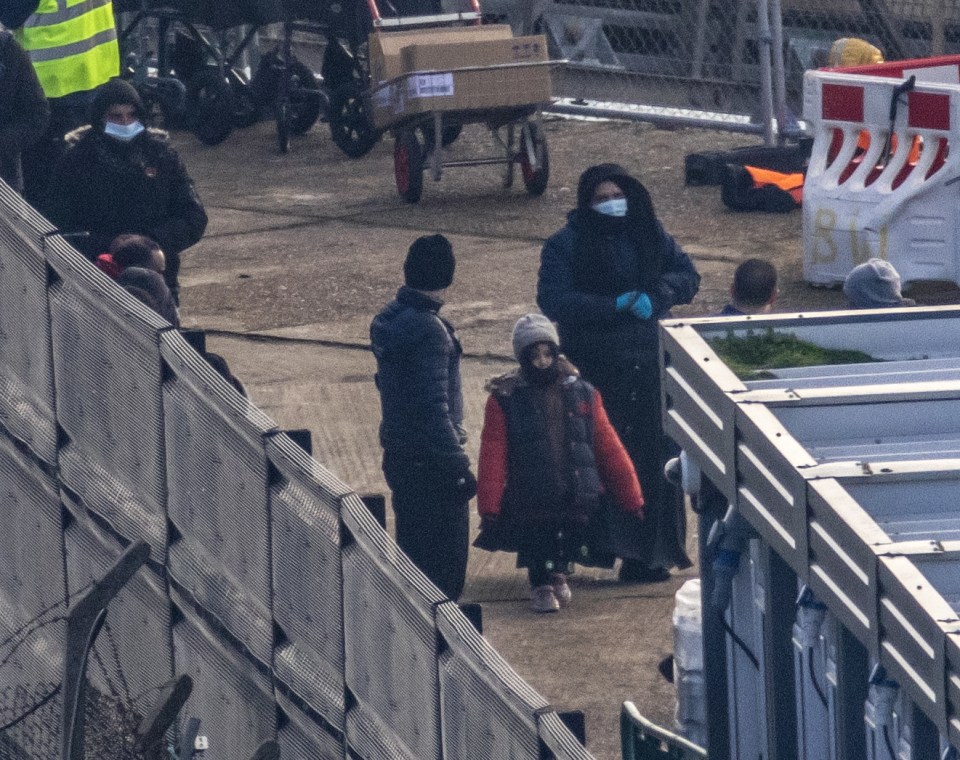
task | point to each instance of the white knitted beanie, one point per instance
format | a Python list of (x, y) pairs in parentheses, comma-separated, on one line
[(530, 329), (874, 284)]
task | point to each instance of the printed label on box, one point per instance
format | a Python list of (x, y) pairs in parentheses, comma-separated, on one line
[(429, 85), (383, 96), (523, 51)]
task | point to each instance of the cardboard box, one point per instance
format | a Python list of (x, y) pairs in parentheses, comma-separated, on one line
[(427, 84), (446, 54), (386, 48)]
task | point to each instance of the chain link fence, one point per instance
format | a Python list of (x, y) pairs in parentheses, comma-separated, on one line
[(735, 65), (714, 62)]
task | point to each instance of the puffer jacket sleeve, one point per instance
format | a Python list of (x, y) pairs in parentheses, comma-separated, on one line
[(186, 219), (680, 280), (30, 110), (557, 294), (429, 370), (613, 462), (492, 466)]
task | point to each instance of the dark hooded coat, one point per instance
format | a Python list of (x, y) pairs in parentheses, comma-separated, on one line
[(107, 187), (583, 268)]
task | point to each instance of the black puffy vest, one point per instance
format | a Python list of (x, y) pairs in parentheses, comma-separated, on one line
[(533, 492)]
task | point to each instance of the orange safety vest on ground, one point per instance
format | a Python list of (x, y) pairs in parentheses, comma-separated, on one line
[(750, 188), (789, 183)]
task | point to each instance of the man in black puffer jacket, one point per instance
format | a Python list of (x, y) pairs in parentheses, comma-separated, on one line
[(118, 177), (418, 376)]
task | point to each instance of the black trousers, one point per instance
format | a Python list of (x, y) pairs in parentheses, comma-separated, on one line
[(432, 521)]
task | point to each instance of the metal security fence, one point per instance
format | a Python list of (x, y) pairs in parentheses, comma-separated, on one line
[(729, 64), (266, 580), (735, 65)]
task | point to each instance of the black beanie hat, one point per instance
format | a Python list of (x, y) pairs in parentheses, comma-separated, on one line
[(429, 264), (115, 92)]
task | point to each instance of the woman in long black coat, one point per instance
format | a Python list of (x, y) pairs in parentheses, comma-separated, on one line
[(606, 278), (120, 177)]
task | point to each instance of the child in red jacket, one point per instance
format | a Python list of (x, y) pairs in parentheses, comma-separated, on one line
[(548, 459)]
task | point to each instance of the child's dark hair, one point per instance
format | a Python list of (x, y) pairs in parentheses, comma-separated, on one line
[(134, 251), (143, 296), (754, 282)]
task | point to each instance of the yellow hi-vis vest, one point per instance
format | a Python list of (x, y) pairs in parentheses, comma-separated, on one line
[(72, 44)]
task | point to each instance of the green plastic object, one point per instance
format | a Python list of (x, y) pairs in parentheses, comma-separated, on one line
[(642, 740)]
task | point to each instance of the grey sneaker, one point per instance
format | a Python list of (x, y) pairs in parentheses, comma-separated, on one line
[(560, 589), (543, 600)]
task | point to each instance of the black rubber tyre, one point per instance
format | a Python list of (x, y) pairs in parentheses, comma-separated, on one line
[(171, 98), (535, 177), (350, 125), (210, 107), (246, 112), (306, 98), (408, 166)]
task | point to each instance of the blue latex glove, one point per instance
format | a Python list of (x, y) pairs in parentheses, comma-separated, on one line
[(636, 303)]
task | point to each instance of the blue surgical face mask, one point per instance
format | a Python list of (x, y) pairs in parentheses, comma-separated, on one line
[(612, 207), (123, 132)]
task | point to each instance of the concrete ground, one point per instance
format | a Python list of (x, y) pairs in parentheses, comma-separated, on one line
[(302, 250)]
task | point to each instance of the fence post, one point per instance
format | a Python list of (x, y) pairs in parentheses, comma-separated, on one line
[(576, 721), (377, 504), (938, 24), (700, 39), (766, 86), (150, 740), (83, 625), (778, 72)]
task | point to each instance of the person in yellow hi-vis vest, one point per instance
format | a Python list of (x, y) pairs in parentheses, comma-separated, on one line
[(73, 47)]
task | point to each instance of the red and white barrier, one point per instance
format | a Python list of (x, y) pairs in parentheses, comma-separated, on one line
[(883, 187)]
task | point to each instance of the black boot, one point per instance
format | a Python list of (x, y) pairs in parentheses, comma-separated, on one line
[(636, 571)]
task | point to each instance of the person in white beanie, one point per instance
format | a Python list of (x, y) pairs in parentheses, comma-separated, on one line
[(875, 284), (548, 458)]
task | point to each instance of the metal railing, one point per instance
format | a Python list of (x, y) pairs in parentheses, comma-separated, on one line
[(268, 581), (728, 64)]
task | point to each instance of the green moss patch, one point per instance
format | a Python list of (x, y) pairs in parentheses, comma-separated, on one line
[(751, 356)]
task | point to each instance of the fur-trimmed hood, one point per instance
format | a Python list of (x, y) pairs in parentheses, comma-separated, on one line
[(74, 137), (504, 385)]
